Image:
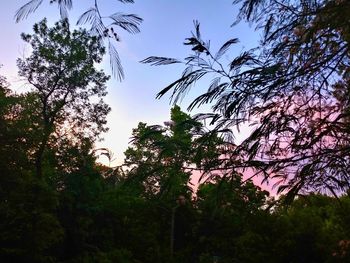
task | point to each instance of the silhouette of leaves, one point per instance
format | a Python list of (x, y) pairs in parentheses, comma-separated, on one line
[(225, 47), (65, 5), (27, 9), (158, 61), (128, 22), (115, 61), (87, 17), (92, 16)]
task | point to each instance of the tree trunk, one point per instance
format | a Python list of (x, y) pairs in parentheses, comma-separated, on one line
[(40, 153)]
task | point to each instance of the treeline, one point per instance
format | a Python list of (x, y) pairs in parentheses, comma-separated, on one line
[(58, 204), (82, 211)]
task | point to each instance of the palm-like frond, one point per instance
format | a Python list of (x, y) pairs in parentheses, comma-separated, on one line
[(128, 22), (127, 1), (115, 63), (87, 17), (225, 47), (98, 26), (64, 6), (159, 61), (249, 7), (181, 86), (246, 58), (214, 91), (27, 9), (92, 17)]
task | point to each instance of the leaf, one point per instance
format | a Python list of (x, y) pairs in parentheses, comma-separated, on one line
[(196, 41), (87, 17), (64, 6), (225, 47), (196, 25), (281, 188), (214, 91), (191, 41), (241, 60), (204, 116), (127, 1), (197, 44), (197, 60), (249, 8), (182, 84), (117, 68), (129, 22), (98, 27), (27, 9), (158, 61), (292, 193), (268, 26)]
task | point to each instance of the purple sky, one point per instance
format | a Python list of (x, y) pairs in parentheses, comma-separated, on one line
[(165, 27)]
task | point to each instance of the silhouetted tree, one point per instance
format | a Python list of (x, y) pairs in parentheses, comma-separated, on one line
[(162, 158), (61, 73)]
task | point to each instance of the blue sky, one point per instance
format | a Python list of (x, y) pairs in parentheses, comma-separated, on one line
[(165, 27)]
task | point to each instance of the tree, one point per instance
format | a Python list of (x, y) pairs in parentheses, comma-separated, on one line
[(18, 130), (294, 89), (28, 224), (107, 33), (163, 158), (160, 157), (61, 72), (231, 210), (310, 229)]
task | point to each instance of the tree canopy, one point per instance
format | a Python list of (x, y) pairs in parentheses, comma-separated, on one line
[(163, 158), (64, 80), (293, 88)]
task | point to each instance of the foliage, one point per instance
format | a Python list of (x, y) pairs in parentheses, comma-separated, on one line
[(82, 211), (293, 88), (160, 157), (228, 207), (64, 80), (77, 214), (15, 130), (105, 32)]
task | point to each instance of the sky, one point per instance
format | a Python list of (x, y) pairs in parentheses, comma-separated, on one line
[(166, 25)]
